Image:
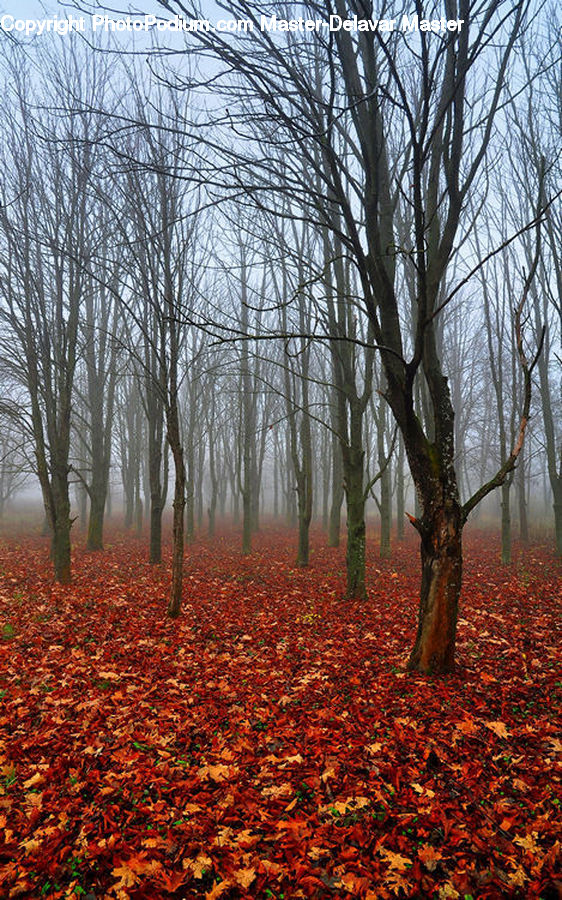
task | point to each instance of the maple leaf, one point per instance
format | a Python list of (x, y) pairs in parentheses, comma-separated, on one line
[(429, 856), (394, 860), (172, 881), (374, 748), (217, 890), (397, 884), (528, 842), (200, 866), (518, 878), (127, 877), (498, 728), (245, 877)]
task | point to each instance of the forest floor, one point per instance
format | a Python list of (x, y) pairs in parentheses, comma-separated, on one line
[(269, 743)]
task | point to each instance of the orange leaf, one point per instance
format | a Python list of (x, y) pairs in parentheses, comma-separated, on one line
[(245, 877), (498, 728)]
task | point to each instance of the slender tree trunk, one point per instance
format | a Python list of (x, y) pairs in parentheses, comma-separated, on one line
[(522, 500), (190, 494), (334, 525), (400, 498), (326, 473), (60, 539), (81, 496), (174, 605), (303, 552), (275, 486), (95, 521), (386, 494), (558, 516), (355, 501), (155, 530), (304, 493), (246, 522), (154, 473), (506, 523)]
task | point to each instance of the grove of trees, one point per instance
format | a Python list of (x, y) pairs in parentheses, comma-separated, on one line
[(310, 274)]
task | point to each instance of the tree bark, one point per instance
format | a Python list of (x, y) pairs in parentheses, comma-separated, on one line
[(355, 502), (174, 605), (506, 523), (441, 558)]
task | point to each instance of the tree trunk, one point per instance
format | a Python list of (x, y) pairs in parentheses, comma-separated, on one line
[(190, 494), (558, 517), (386, 515), (303, 547), (522, 502), (246, 522), (155, 531), (355, 500), (174, 606), (156, 489), (506, 523), (441, 557), (386, 494), (400, 499), (95, 521), (334, 525), (275, 486), (60, 541), (61, 552)]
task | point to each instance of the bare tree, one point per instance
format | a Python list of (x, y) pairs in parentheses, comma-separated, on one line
[(408, 104)]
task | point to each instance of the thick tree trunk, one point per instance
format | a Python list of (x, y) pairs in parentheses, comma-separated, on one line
[(98, 497), (61, 552), (441, 557)]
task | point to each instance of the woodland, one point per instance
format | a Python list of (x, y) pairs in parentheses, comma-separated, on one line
[(281, 455)]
